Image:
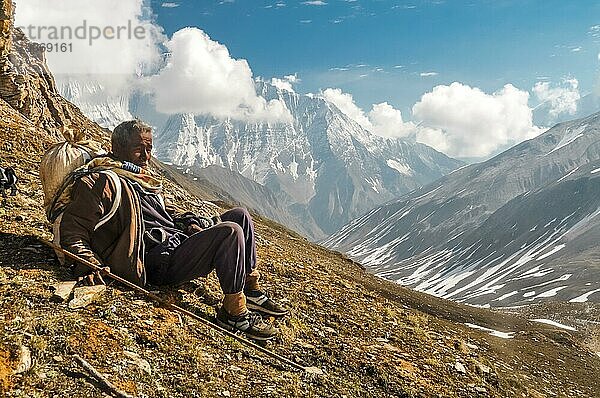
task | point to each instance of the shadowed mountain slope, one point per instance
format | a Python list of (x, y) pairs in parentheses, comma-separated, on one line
[(518, 228)]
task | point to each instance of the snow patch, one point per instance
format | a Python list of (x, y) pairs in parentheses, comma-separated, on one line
[(551, 292), (294, 169), (584, 297), (507, 295), (570, 172), (496, 333), (551, 252), (553, 323), (570, 136), (400, 167)]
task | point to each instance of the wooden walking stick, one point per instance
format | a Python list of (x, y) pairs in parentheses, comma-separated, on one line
[(176, 308)]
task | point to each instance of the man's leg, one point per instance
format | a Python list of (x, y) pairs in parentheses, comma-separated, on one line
[(241, 217), (221, 247), (257, 299), (13, 190)]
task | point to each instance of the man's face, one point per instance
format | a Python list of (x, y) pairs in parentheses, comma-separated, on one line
[(139, 150)]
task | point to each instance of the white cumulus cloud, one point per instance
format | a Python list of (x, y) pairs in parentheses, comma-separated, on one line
[(464, 121), (99, 38), (562, 99), (201, 77), (386, 121), (345, 103)]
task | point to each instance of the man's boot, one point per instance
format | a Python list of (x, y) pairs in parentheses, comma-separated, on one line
[(234, 315), (257, 299)]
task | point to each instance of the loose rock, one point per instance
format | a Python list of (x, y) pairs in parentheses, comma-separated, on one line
[(24, 363), (481, 368), (460, 368), (85, 295), (137, 360), (313, 370), (62, 291)]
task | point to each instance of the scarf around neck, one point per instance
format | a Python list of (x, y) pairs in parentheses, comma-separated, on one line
[(126, 170)]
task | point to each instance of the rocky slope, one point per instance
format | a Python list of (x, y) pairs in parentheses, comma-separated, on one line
[(27, 85), (371, 338), (518, 228)]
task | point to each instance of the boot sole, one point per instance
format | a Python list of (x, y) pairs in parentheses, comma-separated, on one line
[(234, 330), (262, 310)]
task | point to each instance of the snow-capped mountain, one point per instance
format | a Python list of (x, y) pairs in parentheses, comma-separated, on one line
[(323, 160), (518, 228), (322, 166)]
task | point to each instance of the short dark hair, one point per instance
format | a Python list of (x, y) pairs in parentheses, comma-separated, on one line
[(121, 135)]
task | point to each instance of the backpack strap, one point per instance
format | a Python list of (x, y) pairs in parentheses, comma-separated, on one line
[(113, 210), (116, 202)]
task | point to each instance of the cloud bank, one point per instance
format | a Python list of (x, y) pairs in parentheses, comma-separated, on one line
[(464, 121), (286, 83), (459, 120), (201, 77), (198, 76), (111, 59), (383, 119)]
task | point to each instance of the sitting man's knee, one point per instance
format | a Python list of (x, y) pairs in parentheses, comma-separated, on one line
[(232, 228), (240, 212)]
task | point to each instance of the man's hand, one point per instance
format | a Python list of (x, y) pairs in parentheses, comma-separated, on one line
[(193, 228), (93, 278)]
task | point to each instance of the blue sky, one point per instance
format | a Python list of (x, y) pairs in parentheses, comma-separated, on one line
[(463, 76), (395, 51)]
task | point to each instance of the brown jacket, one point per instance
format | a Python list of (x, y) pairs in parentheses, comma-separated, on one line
[(118, 243)]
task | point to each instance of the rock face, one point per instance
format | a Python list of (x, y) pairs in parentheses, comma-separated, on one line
[(518, 228), (26, 83), (6, 27)]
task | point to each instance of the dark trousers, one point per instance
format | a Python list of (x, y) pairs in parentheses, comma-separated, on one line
[(229, 248)]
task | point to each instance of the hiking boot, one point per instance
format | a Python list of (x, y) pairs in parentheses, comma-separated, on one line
[(257, 300), (250, 323)]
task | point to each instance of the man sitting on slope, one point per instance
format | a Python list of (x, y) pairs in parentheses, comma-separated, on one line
[(140, 241)]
